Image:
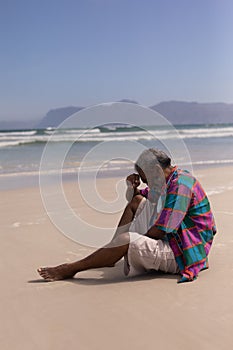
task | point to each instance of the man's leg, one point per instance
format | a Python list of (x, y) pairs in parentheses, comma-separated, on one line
[(103, 257), (128, 215)]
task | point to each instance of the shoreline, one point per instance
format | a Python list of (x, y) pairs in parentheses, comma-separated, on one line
[(16, 181)]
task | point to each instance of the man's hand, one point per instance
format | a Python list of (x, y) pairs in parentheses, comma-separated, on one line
[(155, 233), (133, 181)]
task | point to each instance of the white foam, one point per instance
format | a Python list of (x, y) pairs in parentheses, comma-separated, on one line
[(15, 143), (209, 162), (114, 165), (219, 189), (16, 138), (17, 133), (16, 224)]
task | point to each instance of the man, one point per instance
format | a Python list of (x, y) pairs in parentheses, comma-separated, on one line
[(168, 226)]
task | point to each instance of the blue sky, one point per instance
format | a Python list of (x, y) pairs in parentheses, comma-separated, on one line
[(57, 53)]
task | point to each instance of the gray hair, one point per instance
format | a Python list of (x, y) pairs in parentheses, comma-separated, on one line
[(153, 156), (151, 162)]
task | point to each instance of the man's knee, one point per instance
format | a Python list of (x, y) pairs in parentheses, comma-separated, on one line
[(121, 240)]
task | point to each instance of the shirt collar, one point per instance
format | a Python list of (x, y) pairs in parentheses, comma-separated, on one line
[(168, 179)]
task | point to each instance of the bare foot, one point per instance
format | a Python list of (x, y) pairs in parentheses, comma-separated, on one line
[(60, 272)]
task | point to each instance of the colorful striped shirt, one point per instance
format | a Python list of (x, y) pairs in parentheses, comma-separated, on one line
[(188, 222)]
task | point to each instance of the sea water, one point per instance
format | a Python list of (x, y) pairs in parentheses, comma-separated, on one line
[(21, 151)]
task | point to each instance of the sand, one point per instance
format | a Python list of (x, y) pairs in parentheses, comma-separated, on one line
[(102, 309)]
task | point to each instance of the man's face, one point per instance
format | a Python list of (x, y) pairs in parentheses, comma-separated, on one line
[(142, 175)]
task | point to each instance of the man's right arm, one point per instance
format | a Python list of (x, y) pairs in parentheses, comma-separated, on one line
[(132, 182)]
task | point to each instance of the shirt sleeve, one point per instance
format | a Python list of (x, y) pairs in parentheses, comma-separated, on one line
[(144, 192), (176, 205)]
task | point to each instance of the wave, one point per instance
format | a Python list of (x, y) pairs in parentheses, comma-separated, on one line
[(209, 162), (101, 134), (17, 133), (15, 143), (72, 131)]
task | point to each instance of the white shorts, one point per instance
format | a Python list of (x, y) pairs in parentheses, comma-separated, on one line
[(144, 253)]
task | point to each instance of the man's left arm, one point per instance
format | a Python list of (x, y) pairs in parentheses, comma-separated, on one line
[(175, 208), (155, 233)]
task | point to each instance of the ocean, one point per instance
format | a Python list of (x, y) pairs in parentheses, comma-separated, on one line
[(108, 150)]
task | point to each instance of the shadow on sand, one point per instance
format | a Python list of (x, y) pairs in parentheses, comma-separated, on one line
[(113, 275)]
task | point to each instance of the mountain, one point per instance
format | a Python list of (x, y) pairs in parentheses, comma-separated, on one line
[(54, 117), (177, 112), (195, 113), (128, 101)]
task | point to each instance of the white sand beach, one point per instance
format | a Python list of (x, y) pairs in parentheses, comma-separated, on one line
[(102, 309)]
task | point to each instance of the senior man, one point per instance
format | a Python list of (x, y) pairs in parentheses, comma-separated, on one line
[(168, 226)]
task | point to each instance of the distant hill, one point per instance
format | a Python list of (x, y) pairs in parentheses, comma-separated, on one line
[(128, 101), (54, 117), (177, 112), (195, 113)]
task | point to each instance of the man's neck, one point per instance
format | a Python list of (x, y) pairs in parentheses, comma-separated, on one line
[(167, 171)]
